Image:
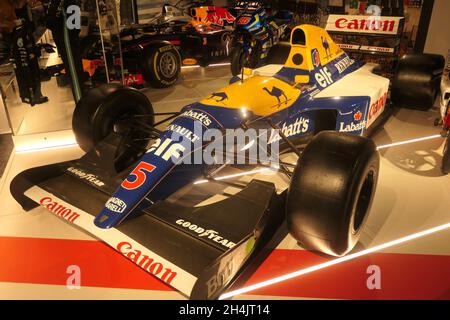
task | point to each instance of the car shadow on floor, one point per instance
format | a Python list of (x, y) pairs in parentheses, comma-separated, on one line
[(420, 158)]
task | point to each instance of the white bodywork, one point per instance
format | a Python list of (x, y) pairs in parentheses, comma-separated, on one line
[(362, 82)]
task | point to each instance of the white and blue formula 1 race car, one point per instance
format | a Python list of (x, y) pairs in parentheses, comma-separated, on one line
[(129, 188)]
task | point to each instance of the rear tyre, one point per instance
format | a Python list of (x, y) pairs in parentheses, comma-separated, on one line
[(416, 81), (446, 157), (237, 60), (111, 108), (161, 65), (331, 192)]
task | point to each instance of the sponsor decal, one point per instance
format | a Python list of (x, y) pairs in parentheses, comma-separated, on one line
[(358, 116), (199, 116), (377, 108), (352, 127), (217, 15), (244, 20), (323, 77), (229, 265), (277, 93), (363, 24), (188, 134), (86, 176), (219, 280), (203, 233), (146, 262), (300, 125), (349, 46), (315, 57), (218, 96), (116, 205), (167, 149), (59, 209), (165, 48), (134, 79), (377, 49), (343, 64)]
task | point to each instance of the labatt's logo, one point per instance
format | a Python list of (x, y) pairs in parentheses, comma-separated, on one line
[(146, 262), (199, 116), (59, 209), (301, 125), (352, 127)]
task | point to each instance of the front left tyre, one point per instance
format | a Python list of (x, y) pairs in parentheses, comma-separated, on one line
[(331, 192), (114, 108)]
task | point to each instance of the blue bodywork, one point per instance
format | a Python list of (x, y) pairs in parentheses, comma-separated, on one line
[(156, 176)]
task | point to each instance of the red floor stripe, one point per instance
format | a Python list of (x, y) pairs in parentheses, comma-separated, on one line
[(45, 261), (403, 276)]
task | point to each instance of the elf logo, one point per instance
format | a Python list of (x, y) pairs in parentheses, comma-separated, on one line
[(167, 149), (323, 77)]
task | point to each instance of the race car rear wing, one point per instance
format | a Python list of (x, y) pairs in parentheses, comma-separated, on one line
[(374, 39), (368, 34)]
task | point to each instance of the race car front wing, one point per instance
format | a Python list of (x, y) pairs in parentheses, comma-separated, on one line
[(198, 251)]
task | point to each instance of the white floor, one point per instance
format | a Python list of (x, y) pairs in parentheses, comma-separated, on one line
[(412, 196)]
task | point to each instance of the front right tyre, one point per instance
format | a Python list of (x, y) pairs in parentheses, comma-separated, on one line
[(331, 192), (114, 109)]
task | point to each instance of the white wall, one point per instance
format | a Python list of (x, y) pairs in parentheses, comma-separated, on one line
[(438, 39)]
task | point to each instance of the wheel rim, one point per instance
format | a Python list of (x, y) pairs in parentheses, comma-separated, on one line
[(364, 198), (132, 142), (168, 64)]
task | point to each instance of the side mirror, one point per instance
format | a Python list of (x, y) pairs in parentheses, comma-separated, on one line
[(301, 79)]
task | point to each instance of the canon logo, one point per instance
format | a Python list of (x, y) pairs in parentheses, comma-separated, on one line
[(58, 209), (145, 262), (370, 24)]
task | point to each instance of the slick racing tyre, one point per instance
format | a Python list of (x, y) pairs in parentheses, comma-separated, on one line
[(161, 65), (237, 60), (331, 192), (416, 82), (112, 108), (240, 60), (446, 157)]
